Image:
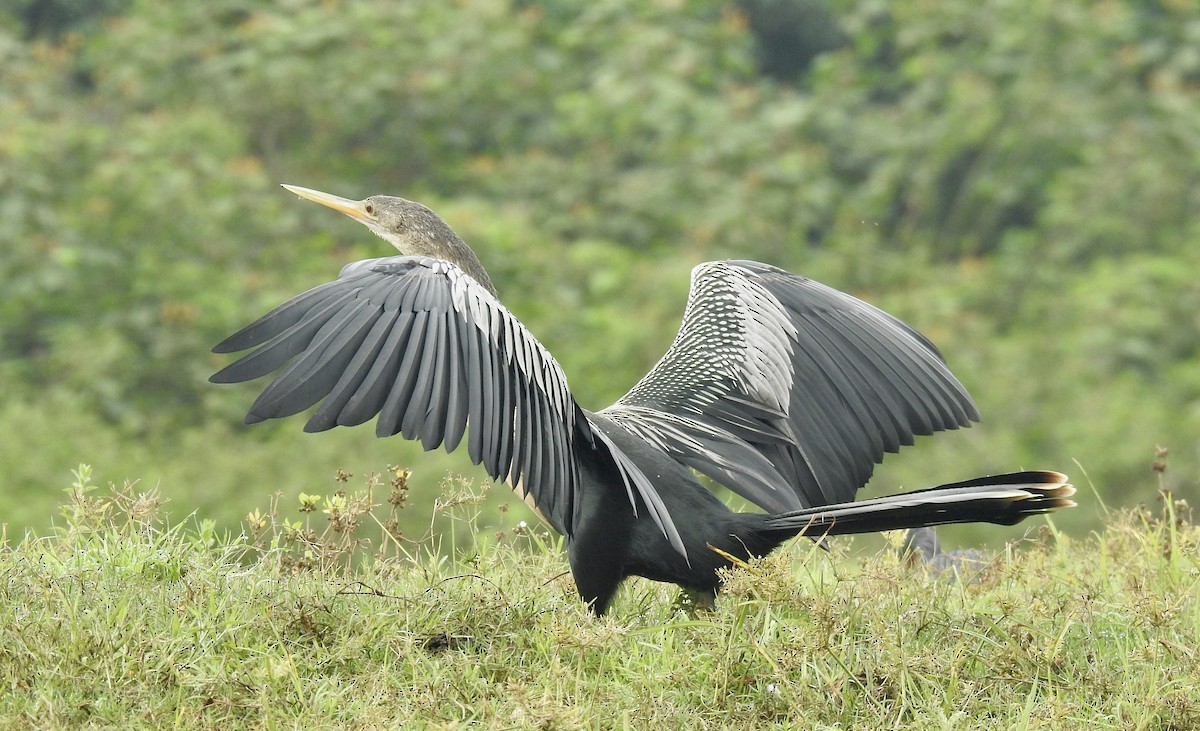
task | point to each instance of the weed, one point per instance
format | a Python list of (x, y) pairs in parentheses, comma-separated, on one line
[(322, 616)]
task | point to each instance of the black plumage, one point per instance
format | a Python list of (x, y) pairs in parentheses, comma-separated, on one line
[(782, 389)]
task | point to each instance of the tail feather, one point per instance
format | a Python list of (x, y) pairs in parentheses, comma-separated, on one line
[(1004, 499)]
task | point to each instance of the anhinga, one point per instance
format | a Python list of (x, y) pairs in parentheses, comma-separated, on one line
[(784, 390)]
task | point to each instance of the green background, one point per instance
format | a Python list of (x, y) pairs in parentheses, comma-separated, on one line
[(1018, 179)]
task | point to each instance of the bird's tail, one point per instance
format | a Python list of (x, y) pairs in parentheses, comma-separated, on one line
[(1004, 499)]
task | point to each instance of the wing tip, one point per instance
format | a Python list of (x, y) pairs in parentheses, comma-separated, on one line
[(228, 345), (226, 375)]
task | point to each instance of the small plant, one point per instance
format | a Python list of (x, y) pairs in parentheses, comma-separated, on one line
[(336, 531), (1167, 528), (332, 541), (1175, 509), (90, 510)]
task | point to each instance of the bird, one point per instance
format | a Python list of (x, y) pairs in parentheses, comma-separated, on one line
[(784, 390), (921, 546)]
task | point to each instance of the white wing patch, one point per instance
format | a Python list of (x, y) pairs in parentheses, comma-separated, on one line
[(766, 372), (744, 331)]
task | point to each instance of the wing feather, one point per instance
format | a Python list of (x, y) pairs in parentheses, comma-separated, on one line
[(278, 320), (316, 370), (421, 346), (454, 415), (353, 375), (787, 391), (373, 390), (433, 382), (284, 343), (391, 410)]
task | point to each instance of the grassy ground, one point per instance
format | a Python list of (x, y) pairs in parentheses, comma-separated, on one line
[(120, 621)]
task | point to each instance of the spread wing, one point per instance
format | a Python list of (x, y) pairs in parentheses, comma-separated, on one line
[(787, 391), (421, 345)]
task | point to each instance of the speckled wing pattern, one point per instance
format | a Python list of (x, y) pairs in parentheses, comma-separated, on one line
[(420, 344), (787, 391)]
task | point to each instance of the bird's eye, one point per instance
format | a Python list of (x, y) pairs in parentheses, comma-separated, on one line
[(370, 209)]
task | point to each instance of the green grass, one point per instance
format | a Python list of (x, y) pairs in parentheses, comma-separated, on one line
[(120, 621)]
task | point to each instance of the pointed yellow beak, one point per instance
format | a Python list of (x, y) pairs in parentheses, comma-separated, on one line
[(354, 209)]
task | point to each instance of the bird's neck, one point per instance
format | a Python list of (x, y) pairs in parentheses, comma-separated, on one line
[(446, 245), (461, 255)]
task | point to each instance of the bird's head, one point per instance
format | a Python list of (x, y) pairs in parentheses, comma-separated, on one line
[(411, 227), (414, 229)]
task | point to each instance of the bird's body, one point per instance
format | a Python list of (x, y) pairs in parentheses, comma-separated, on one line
[(610, 543), (784, 390)]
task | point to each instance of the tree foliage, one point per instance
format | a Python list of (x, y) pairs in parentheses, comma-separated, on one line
[(1018, 179)]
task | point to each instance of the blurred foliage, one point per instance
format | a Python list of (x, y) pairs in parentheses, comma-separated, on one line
[(791, 34), (50, 18), (1020, 180)]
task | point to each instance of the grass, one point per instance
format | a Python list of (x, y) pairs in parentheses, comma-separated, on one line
[(118, 620)]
